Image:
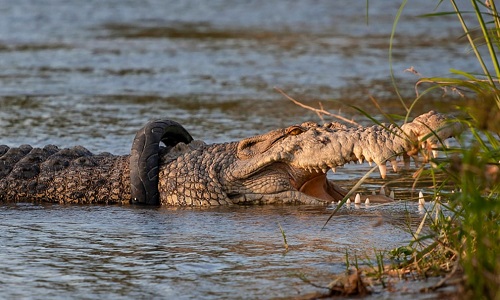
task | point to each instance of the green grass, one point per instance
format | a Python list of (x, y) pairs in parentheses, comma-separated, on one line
[(285, 243), (465, 232), (462, 229)]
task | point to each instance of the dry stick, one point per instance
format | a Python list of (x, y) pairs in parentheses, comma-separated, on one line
[(443, 281), (443, 86), (317, 111), (423, 79)]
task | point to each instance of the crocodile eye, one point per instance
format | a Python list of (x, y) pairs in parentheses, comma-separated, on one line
[(294, 130)]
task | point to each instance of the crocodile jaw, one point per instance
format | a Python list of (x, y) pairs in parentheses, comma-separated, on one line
[(320, 187), (296, 186)]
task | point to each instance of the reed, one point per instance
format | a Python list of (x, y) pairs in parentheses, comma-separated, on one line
[(460, 232), (464, 227), (459, 235), (283, 234)]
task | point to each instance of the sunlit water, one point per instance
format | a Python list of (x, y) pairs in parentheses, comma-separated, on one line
[(53, 251), (93, 72)]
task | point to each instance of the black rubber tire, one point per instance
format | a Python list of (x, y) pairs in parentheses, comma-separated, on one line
[(144, 158)]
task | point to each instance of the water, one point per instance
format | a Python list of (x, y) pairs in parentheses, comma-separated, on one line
[(111, 252), (93, 72)]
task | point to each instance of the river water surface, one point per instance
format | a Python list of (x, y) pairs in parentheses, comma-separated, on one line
[(93, 72)]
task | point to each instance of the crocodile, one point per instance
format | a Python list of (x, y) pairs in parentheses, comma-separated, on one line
[(168, 167)]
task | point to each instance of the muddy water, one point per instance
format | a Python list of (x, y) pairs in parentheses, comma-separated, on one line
[(126, 252), (92, 72)]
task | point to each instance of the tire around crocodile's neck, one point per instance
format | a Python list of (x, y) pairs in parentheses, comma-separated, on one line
[(144, 158)]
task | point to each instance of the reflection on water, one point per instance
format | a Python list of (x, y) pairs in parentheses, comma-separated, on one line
[(93, 72), (113, 251)]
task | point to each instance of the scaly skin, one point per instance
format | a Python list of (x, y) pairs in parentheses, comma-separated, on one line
[(283, 166), (288, 165), (66, 176)]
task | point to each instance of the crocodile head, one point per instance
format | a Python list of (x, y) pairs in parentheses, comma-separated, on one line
[(290, 165)]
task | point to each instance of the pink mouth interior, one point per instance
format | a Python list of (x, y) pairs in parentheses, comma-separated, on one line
[(320, 187)]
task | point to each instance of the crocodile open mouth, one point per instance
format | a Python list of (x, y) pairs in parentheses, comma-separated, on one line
[(322, 188)]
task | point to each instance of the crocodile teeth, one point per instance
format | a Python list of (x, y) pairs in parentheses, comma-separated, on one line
[(348, 201), (435, 153), (370, 163), (394, 164), (438, 197), (391, 194), (382, 191), (421, 200), (367, 201), (383, 170), (334, 170), (360, 161), (406, 160), (416, 161), (324, 169), (357, 199)]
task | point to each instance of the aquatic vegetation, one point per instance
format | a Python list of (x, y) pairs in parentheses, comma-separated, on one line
[(283, 234), (464, 225), (459, 235)]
